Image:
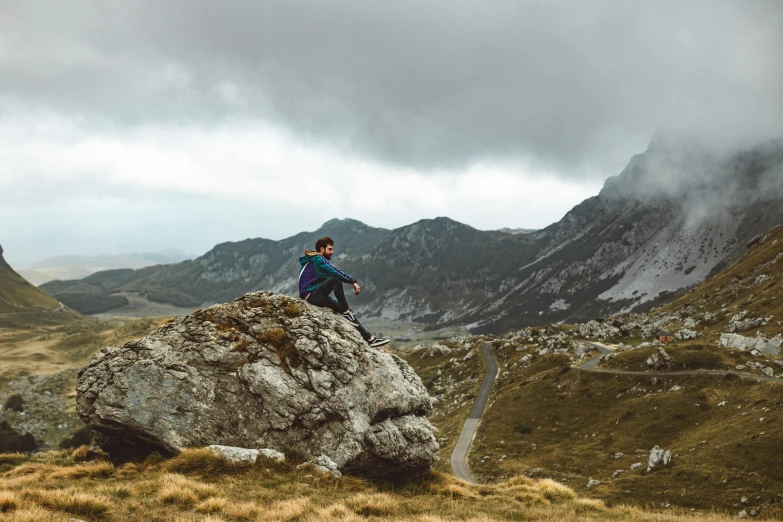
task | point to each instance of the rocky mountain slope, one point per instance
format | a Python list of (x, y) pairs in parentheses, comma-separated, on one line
[(225, 272), (644, 239), (602, 429), (675, 215)]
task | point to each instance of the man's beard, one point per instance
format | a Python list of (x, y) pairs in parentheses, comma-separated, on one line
[(328, 256)]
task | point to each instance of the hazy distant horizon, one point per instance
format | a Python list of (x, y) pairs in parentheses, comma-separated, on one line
[(17, 261)]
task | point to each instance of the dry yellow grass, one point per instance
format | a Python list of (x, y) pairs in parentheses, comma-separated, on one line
[(71, 501), (212, 505), (62, 489), (9, 501)]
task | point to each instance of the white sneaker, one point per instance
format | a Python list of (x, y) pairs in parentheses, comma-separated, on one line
[(378, 341)]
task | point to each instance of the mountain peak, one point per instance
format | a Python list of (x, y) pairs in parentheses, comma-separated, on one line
[(345, 221), (440, 221)]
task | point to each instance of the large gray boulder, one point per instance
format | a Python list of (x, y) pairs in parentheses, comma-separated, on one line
[(265, 371), (747, 344)]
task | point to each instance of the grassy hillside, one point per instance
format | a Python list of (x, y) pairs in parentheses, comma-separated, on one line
[(547, 417), (197, 486), (19, 296)]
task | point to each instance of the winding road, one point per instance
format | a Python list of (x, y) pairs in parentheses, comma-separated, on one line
[(459, 464), (590, 366)]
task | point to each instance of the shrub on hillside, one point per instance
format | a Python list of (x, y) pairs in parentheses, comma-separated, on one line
[(14, 403), (91, 303), (83, 437), (161, 294), (12, 442)]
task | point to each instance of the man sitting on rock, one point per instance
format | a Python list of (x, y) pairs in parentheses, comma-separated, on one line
[(319, 278)]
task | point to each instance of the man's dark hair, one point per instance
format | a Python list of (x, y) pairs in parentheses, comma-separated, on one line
[(323, 243)]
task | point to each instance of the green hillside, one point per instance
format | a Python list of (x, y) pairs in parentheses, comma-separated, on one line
[(19, 296)]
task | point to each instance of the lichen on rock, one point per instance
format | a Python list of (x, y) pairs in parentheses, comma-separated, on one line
[(264, 371)]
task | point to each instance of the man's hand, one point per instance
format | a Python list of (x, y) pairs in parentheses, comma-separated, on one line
[(356, 289)]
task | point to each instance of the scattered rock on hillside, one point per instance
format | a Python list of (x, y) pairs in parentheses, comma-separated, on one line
[(45, 408), (437, 349), (659, 457), (580, 350), (760, 343), (739, 322), (596, 330), (659, 360), (263, 371), (323, 464), (685, 334)]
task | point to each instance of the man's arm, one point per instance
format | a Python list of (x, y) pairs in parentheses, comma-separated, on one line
[(324, 269)]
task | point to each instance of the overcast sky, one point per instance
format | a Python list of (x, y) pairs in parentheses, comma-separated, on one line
[(134, 125)]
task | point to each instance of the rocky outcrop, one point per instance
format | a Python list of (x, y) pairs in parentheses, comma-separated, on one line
[(659, 457), (739, 323), (659, 360), (265, 371), (746, 344)]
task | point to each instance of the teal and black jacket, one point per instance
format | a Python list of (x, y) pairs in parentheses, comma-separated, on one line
[(315, 270)]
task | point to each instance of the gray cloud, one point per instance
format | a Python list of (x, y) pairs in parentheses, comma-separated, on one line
[(575, 86)]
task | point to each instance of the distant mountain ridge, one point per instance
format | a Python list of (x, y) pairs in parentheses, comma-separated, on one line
[(228, 270), (79, 266), (673, 217)]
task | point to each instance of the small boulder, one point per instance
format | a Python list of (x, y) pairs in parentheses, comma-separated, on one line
[(659, 457), (272, 454), (323, 464), (234, 454), (659, 359)]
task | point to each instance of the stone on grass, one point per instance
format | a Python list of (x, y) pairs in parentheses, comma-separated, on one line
[(659, 457), (659, 359), (272, 454), (747, 344), (323, 464), (234, 454)]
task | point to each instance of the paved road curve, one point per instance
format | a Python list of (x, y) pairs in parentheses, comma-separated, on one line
[(590, 366), (459, 464)]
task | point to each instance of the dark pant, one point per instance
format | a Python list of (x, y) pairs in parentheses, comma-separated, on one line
[(320, 296)]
